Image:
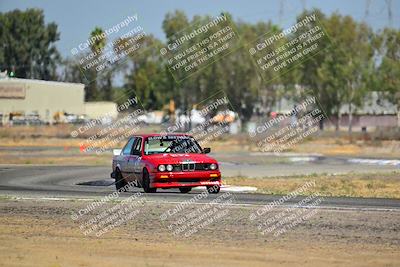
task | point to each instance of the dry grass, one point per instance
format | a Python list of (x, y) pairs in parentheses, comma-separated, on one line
[(385, 185), (343, 147), (77, 161), (327, 144)]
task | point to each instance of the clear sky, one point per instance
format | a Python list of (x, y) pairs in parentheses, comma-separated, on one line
[(76, 19)]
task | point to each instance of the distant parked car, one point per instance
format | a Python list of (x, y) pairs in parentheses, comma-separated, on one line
[(153, 117), (28, 119)]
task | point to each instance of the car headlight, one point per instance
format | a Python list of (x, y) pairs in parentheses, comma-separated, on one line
[(161, 168), (213, 166), (169, 167)]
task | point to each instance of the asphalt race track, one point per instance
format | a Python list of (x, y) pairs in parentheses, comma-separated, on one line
[(61, 182)]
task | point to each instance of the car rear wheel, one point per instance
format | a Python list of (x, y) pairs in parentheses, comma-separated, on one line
[(119, 181), (185, 190), (146, 183), (213, 189)]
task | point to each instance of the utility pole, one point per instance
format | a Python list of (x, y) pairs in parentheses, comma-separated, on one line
[(367, 6), (389, 8), (304, 4), (281, 10)]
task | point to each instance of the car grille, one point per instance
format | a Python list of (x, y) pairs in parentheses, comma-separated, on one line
[(191, 166)]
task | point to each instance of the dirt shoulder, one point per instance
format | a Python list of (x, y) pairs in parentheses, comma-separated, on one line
[(42, 233), (368, 185), (59, 137)]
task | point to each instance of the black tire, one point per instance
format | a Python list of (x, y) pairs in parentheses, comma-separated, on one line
[(213, 189), (185, 190), (146, 183), (119, 181)]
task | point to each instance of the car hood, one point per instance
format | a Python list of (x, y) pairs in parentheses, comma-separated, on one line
[(167, 158)]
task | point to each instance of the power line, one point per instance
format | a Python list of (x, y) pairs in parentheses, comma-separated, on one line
[(389, 9), (367, 6), (281, 10), (304, 4)]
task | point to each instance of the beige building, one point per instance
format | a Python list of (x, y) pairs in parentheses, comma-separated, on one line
[(101, 109), (44, 98)]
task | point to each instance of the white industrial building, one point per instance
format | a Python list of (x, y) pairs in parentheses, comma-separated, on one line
[(46, 99)]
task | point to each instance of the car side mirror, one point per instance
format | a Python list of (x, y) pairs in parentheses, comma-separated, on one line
[(206, 150), (136, 153), (117, 152)]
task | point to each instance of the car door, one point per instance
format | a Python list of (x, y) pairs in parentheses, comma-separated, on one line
[(133, 164), (126, 155), (137, 168)]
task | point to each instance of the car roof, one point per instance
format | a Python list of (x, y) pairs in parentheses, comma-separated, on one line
[(159, 134)]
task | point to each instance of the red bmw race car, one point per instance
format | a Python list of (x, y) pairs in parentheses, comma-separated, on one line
[(154, 161)]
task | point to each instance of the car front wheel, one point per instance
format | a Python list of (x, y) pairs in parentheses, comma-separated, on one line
[(213, 189), (119, 181), (146, 183), (185, 190)]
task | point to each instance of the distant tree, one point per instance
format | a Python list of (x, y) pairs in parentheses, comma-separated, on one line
[(27, 44), (341, 73), (388, 71), (99, 40), (234, 74), (173, 23), (146, 77), (359, 67), (70, 71), (91, 89), (243, 83)]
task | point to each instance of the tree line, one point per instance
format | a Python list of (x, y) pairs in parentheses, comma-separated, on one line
[(358, 61)]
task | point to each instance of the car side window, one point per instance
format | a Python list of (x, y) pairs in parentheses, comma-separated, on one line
[(128, 147), (137, 148)]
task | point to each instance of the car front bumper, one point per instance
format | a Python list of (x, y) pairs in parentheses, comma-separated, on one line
[(186, 179)]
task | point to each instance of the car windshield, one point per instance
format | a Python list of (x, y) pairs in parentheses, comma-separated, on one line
[(171, 144)]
